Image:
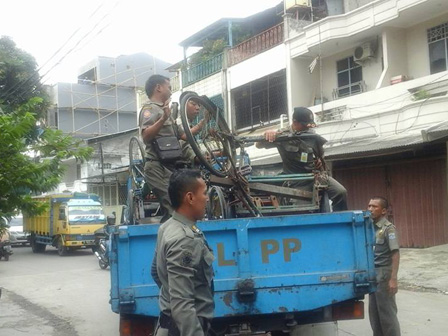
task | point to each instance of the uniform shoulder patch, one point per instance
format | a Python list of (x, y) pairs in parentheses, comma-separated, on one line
[(146, 113), (187, 258)]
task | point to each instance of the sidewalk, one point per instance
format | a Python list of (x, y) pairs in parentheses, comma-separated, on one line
[(424, 270)]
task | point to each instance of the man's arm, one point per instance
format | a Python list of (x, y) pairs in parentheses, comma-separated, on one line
[(154, 274), (180, 260), (270, 137), (393, 282), (149, 132), (194, 130)]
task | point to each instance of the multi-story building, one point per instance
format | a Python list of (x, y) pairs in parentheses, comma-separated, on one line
[(379, 91), (104, 101), (375, 75), (103, 104)]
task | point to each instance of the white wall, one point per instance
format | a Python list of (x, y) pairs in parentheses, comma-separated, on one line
[(417, 47), (371, 72), (210, 86), (395, 55), (257, 67), (302, 85), (350, 5)]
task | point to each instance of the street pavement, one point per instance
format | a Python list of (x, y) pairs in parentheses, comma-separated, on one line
[(422, 298), (48, 295)]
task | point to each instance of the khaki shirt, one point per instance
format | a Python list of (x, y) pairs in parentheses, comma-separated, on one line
[(149, 114), (298, 154), (184, 269), (386, 241)]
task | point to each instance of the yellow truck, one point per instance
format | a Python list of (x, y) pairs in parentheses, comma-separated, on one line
[(68, 223)]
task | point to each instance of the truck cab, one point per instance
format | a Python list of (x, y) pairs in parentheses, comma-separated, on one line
[(68, 223)]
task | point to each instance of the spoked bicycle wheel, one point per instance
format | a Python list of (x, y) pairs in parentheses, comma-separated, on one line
[(136, 162), (217, 206), (212, 145)]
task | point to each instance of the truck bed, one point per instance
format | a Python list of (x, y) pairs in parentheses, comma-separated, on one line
[(269, 265)]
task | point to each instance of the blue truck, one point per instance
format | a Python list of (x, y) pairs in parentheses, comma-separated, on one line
[(282, 260), (272, 274)]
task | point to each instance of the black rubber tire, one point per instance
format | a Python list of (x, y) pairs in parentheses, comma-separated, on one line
[(324, 204), (217, 192), (62, 250), (137, 160), (103, 265), (220, 125), (37, 247)]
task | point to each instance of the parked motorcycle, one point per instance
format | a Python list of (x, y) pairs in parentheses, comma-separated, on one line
[(102, 243), (5, 249)]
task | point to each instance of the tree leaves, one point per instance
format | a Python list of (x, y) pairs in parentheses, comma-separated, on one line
[(30, 154)]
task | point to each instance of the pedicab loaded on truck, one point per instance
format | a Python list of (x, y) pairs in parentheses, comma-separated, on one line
[(281, 266), (68, 223)]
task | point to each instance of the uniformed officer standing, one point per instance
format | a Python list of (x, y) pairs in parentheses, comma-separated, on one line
[(382, 304), (301, 156), (184, 260), (155, 123)]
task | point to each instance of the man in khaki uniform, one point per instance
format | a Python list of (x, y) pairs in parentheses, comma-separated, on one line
[(299, 156), (184, 261), (382, 304), (156, 122)]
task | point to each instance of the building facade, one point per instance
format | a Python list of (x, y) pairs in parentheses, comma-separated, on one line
[(103, 106), (375, 75)]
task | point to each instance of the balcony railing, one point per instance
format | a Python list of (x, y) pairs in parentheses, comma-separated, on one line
[(202, 70), (255, 45), (175, 83), (349, 90)]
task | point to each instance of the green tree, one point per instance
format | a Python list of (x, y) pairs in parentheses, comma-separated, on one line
[(19, 79), (30, 154), (210, 49)]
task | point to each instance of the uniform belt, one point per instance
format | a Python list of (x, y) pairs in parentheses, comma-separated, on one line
[(167, 322)]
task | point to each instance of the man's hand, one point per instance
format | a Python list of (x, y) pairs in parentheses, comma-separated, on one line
[(206, 116), (271, 135), (318, 164), (166, 110), (393, 286)]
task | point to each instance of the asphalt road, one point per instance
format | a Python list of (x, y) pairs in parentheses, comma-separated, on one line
[(44, 294)]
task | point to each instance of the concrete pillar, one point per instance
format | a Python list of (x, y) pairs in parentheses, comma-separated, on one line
[(394, 53), (304, 87)]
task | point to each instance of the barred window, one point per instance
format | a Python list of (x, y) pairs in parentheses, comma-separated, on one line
[(438, 48), (349, 77), (260, 102)]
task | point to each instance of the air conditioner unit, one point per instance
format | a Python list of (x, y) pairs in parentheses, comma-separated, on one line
[(364, 52)]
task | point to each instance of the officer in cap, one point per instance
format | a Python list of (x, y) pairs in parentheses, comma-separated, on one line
[(301, 156)]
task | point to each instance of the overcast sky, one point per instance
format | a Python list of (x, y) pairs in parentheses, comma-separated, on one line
[(91, 28)]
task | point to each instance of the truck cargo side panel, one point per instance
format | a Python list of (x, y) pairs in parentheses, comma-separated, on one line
[(262, 265)]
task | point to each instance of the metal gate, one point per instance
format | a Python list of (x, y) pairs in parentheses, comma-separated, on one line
[(416, 190)]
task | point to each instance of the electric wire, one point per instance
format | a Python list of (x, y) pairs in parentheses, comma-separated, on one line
[(40, 78)]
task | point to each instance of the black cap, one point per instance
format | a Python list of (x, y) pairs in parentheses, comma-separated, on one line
[(304, 116)]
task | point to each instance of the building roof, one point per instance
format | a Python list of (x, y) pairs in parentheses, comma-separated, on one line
[(109, 136), (373, 145), (214, 31), (256, 23), (387, 144)]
